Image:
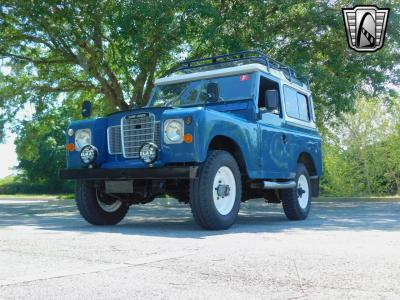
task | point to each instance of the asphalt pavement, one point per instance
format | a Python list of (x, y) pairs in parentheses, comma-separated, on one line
[(344, 250)]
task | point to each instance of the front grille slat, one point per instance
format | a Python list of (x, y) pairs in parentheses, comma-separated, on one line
[(139, 129), (141, 134)]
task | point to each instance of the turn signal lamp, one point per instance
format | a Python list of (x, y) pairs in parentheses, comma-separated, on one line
[(188, 138), (70, 147)]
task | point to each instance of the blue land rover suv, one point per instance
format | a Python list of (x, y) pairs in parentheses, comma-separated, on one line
[(216, 132)]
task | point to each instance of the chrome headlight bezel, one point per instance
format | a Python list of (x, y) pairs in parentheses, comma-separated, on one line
[(83, 137), (174, 135)]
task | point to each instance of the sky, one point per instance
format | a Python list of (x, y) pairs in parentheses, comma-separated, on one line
[(8, 157)]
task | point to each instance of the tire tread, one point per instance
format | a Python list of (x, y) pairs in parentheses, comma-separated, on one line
[(90, 210), (204, 211), (289, 198)]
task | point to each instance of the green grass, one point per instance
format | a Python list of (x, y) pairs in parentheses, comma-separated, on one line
[(359, 199), (66, 196), (38, 197)]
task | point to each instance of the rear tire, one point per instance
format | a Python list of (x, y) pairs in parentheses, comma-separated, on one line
[(97, 208), (296, 202), (215, 196)]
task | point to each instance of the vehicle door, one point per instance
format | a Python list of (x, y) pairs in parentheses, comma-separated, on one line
[(273, 138)]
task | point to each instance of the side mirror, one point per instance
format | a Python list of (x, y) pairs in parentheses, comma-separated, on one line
[(272, 99), (212, 92), (86, 109)]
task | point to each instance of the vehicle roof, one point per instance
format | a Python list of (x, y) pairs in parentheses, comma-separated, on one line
[(228, 71)]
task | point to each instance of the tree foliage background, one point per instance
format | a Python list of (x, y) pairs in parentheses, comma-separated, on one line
[(110, 51)]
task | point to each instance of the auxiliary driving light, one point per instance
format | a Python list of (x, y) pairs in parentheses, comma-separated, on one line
[(88, 154), (148, 153)]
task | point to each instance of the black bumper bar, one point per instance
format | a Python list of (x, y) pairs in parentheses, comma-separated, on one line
[(143, 173)]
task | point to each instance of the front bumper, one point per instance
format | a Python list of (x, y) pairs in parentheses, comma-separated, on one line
[(142, 173)]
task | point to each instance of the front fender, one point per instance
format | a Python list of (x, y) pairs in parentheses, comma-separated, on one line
[(242, 132), (98, 128)]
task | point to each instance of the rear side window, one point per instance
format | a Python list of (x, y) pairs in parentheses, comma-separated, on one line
[(297, 105), (291, 102), (303, 107)]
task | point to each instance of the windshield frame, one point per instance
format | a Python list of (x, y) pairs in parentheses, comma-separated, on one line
[(202, 82)]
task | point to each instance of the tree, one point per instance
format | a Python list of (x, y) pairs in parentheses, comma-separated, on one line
[(112, 48), (361, 152), (116, 48)]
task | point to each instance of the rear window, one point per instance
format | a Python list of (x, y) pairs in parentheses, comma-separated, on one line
[(297, 104)]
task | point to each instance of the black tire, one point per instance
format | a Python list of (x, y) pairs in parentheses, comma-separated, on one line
[(291, 198), (202, 203), (90, 209)]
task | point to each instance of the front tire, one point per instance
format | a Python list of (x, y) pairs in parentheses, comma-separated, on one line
[(296, 202), (96, 207), (215, 196)]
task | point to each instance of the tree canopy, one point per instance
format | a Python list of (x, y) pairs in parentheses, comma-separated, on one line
[(114, 49)]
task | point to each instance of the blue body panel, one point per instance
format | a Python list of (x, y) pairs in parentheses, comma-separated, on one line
[(270, 145)]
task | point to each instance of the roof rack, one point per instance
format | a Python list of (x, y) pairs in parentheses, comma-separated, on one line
[(240, 58)]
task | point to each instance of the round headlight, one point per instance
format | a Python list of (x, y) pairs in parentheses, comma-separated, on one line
[(148, 152), (88, 154), (83, 137), (174, 131)]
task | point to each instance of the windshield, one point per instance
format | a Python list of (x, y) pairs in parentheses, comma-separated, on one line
[(238, 87)]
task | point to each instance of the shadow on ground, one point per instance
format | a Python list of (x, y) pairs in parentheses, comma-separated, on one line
[(168, 218)]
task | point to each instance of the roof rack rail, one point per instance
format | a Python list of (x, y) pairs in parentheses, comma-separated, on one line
[(244, 57)]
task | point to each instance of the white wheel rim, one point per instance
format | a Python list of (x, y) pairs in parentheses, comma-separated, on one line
[(110, 208), (303, 191), (224, 190)]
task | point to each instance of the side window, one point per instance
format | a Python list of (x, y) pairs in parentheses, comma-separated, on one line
[(267, 85), (297, 105), (303, 107), (291, 102)]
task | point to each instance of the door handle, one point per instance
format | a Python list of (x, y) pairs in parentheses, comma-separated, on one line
[(284, 138)]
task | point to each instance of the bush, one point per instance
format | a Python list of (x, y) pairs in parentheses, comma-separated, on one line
[(11, 185)]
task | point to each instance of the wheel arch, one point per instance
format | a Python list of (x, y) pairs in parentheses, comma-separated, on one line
[(222, 142), (306, 159)]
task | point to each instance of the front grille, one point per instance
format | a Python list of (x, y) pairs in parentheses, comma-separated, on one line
[(134, 138), (137, 130), (114, 140)]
